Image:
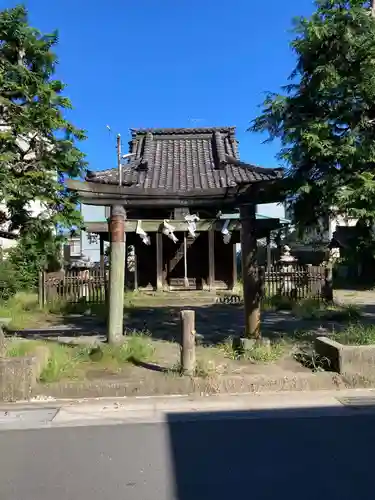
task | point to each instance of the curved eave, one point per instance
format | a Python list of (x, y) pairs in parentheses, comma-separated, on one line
[(107, 194)]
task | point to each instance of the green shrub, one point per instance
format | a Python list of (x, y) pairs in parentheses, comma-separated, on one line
[(356, 334), (281, 302)]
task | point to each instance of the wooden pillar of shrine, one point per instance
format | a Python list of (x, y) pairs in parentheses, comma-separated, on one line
[(211, 259), (116, 274), (234, 268), (159, 261), (186, 279), (251, 290)]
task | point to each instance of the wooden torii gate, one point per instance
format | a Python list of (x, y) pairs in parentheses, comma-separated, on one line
[(237, 185)]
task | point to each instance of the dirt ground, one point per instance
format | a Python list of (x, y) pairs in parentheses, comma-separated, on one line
[(217, 374), (215, 322)]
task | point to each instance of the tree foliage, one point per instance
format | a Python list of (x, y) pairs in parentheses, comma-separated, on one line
[(20, 265), (31, 255), (37, 143), (325, 116)]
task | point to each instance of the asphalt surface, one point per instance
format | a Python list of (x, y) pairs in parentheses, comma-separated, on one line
[(325, 457)]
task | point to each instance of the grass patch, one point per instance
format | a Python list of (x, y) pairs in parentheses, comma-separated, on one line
[(349, 312), (315, 309), (63, 363), (260, 353), (72, 362), (356, 334), (265, 353), (22, 310), (19, 348), (229, 349), (311, 308), (205, 368)]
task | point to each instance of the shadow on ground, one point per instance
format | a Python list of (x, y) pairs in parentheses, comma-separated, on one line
[(263, 455), (214, 321), (310, 454)]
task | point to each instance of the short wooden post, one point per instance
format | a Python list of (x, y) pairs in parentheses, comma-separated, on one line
[(250, 271), (116, 275), (328, 284), (188, 342)]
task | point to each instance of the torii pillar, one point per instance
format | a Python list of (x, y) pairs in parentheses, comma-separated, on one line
[(116, 228), (250, 277)]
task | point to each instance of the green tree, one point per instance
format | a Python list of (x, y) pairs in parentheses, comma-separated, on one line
[(325, 116), (30, 255), (37, 143)]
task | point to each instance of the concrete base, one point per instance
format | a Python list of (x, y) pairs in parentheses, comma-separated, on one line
[(18, 376), (3, 346), (347, 359), (247, 344)]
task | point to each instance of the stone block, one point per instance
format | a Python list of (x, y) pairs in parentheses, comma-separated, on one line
[(347, 359), (16, 378), (3, 345), (19, 376)]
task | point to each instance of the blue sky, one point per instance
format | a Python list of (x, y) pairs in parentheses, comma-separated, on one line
[(169, 63)]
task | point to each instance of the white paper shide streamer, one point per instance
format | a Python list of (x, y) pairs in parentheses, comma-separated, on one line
[(227, 235), (142, 233), (191, 222), (168, 230)]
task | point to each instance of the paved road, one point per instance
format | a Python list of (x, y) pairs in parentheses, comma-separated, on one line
[(328, 457)]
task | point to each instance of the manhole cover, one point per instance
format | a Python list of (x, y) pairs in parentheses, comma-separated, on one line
[(358, 402), (29, 416)]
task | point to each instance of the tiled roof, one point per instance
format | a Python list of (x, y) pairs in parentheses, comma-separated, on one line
[(183, 160)]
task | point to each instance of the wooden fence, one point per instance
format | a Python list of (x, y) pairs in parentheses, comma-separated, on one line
[(73, 287), (91, 286), (299, 282)]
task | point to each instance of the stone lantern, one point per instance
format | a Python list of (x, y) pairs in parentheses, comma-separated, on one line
[(287, 265)]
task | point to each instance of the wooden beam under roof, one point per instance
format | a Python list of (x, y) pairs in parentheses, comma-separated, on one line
[(181, 225)]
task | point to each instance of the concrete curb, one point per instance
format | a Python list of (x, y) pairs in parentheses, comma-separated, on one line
[(162, 385), (148, 410), (187, 408), (286, 398), (347, 360)]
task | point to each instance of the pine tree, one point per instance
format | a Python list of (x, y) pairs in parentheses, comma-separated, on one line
[(37, 144), (325, 116)]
